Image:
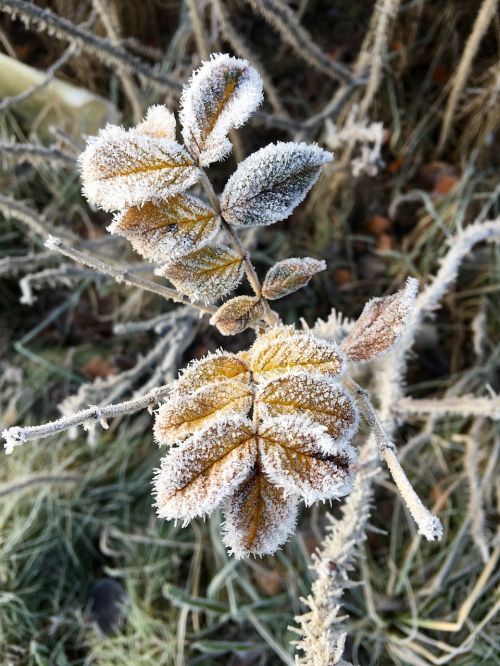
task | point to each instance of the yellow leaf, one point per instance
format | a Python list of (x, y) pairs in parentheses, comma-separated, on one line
[(259, 517), (123, 168), (159, 231), (183, 415), (322, 399), (284, 349), (207, 274), (238, 314), (195, 476), (298, 456), (213, 368), (289, 275)]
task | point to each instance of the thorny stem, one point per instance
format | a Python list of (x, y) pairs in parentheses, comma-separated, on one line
[(121, 275), (428, 525), (271, 317), (16, 436)]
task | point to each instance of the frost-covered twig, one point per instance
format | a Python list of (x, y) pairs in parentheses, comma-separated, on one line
[(37, 154), (120, 274), (428, 525), (16, 264), (87, 417), (281, 17), (463, 406), (110, 55), (35, 221)]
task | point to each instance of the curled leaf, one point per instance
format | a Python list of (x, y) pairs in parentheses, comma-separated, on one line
[(206, 274), (381, 324), (269, 184), (213, 368), (289, 275), (196, 475), (259, 517), (159, 122), (283, 349), (123, 168), (325, 401), (170, 228), (300, 457), (181, 416), (238, 314), (220, 96)]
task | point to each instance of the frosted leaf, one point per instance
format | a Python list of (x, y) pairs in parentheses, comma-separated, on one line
[(283, 349), (289, 275), (238, 314), (322, 399), (183, 415), (269, 184), (123, 168), (206, 274), (195, 476), (221, 95), (301, 458), (159, 122), (213, 368), (259, 517), (381, 324), (171, 228)]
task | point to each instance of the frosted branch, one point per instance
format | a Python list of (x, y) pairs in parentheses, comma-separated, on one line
[(86, 417), (428, 525), (463, 406)]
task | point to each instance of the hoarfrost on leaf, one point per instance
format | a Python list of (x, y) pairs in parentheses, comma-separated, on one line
[(159, 122), (122, 168), (268, 185), (289, 275), (381, 324), (206, 274), (213, 368), (221, 95), (239, 313), (170, 228)]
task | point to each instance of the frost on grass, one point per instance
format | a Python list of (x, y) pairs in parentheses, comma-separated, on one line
[(268, 185), (159, 122), (221, 95), (287, 276), (170, 228), (206, 274), (295, 448), (122, 168), (381, 324)]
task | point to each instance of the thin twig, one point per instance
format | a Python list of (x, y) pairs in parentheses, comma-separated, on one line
[(32, 152), (120, 274)]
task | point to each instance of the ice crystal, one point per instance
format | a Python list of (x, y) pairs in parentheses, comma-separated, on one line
[(289, 275), (221, 95), (206, 274), (171, 228), (238, 314), (381, 324), (122, 168), (159, 122), (269, 184), (295, 448)]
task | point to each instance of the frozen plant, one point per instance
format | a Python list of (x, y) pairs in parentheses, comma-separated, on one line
[(258, 431)]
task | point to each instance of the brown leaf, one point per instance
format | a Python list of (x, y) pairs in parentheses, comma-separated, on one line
[(160, 231), (238, 314), (259, 517), (289, 275), (181, 416), (195, 476), (322, 399), (283, 349), (99, 367), (207, 274), (381, 324)]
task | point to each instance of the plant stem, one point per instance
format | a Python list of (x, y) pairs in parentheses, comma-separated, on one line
[(428, 525), (121, 275), (271, 317)]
